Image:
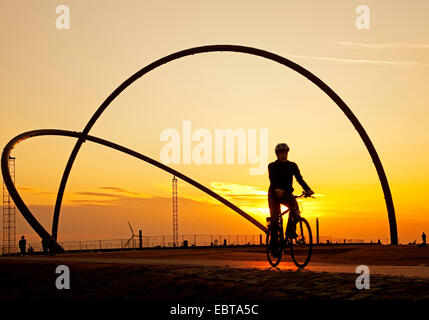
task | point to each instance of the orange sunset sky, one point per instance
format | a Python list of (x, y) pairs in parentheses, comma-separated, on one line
[(57, 79)]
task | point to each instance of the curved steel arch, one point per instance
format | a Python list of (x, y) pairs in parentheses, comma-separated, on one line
[(242, 49), (22, 207), (252, 51)]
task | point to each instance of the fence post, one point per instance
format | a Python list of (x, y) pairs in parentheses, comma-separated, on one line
[(140, 239), (317, 230), (100, 244)]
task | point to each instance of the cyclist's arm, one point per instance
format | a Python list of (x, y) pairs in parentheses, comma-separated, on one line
[(300, 180)]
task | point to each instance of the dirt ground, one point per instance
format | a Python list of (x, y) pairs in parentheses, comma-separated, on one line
[(31, 279)]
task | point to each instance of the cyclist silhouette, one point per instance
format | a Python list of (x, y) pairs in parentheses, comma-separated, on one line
[(281, 174)]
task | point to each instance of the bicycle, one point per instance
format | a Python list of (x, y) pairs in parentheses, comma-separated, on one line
[(300, 246)]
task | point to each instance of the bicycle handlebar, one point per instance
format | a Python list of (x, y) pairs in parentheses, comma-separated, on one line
[(303, 195)]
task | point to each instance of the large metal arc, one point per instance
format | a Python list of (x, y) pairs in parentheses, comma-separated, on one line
[(248, 50), (34, 223)]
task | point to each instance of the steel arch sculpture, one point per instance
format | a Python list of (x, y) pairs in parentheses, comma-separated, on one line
[(228, 48), (55, 132)]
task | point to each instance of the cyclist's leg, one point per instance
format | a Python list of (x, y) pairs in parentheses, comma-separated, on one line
[(291, 203), (274, 205)]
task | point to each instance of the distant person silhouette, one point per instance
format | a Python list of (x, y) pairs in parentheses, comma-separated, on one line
[(379, 242), (424, 238), (45, 246), (281, 173), (22, 244)]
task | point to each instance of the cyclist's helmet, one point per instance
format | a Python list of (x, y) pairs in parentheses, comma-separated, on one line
[(282, 147)]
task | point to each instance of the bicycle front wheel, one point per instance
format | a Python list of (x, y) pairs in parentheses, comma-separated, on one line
[(302, 246), (273, 246)]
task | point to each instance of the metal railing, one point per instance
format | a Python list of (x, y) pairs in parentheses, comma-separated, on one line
[(334, 240), (189, 240)]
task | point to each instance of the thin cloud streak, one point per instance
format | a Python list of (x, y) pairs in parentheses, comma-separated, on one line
[(110, 198), (382, 45), (31, 190), (95, 202), (249, 198), (97, 194), (366, 61), (121, 190)]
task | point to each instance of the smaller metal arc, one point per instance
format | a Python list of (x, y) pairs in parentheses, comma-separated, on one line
[(34, 223)]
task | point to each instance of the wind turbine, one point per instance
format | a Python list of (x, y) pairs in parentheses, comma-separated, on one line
[(132, 235)]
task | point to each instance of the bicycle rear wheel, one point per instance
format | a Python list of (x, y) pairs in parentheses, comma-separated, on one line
[(301, 247), (274, 251)]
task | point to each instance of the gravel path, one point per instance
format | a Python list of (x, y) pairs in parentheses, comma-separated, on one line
[(123, 276)]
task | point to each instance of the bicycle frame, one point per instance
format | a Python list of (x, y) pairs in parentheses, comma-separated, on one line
[(286, 240), (280, 220)]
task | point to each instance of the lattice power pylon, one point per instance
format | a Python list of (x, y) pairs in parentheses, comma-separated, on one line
[(175, 218), (9, 218)]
